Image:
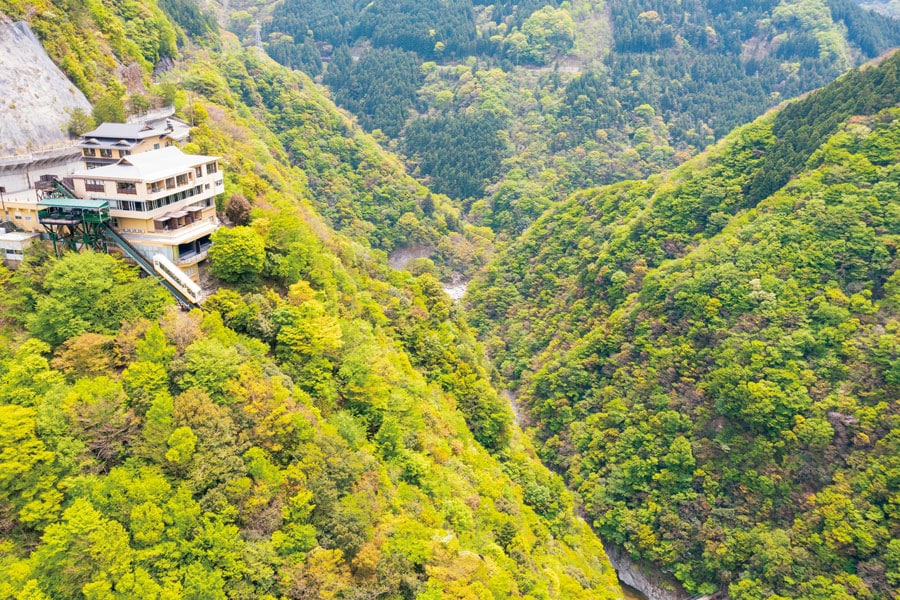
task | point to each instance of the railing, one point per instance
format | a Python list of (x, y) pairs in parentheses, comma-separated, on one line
[(195, 257), (79, 215), (62, 148), (150, 115)]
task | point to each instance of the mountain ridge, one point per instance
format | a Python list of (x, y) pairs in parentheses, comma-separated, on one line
[(676, 347), (325, 428)]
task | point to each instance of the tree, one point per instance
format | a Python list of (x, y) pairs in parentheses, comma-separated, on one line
[(82, 549), (109, 108), (80, 122), (182, 444), (154, 347), (97, 411), (24, 462), (549, 29), (89, 354), (237, 255), (143, 382), (238, 209), (208, 364), (92, 292)]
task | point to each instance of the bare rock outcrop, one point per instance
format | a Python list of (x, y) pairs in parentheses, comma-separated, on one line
[(37, 98)]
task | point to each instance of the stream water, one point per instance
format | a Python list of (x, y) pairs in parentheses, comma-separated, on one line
[(399, 258)]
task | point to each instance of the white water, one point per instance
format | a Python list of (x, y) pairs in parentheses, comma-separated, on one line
[(399, 258)]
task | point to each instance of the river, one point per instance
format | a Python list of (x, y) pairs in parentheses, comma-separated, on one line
[(399, 258)]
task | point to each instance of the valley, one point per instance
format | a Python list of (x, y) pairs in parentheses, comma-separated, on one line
[(505, 297)]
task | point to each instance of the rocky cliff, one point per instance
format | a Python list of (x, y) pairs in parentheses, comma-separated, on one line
[(36, 98)]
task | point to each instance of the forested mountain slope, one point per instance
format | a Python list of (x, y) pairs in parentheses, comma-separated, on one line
[(510, 106), (711, 357), (324, 429), (109, 52), (886, 7)]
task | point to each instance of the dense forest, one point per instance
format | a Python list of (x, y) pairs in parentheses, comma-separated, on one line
[(572, 81), (711, 358), (323, 428), (701, 346)]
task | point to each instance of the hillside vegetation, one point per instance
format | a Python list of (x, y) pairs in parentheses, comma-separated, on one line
[(323, 429), (510, 106), (711, 357)]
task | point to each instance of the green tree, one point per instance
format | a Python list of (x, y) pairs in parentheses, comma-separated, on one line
[(80, 122), (109, 108), (26, 467), (91, 292), (83, 549), (208, 364), (182, 444), (237, 255), (154, 347)]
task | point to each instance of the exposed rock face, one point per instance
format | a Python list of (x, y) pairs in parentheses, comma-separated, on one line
[(36, 98), (645, 578)]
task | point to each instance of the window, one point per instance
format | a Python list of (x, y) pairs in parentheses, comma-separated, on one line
[(126, 187), (211, 168), (124, 152), (90, 152), (94, 185), (156, 146), (198, 171), (106, 152), (170, 182), (182, 179)]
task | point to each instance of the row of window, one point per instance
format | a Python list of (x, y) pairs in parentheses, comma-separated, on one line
[(128, 187), (142, 206), (105, 152)]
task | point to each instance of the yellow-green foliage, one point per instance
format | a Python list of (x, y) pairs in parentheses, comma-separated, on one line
[(89, 40), (337, 466), (712, 357), (319, 435)]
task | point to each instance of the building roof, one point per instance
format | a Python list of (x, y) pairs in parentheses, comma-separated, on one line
[(17, 236), (108, 144), (148, 166), (73, 203), (123, 131)]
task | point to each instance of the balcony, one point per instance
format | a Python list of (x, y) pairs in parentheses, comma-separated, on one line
[(173, 237)]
